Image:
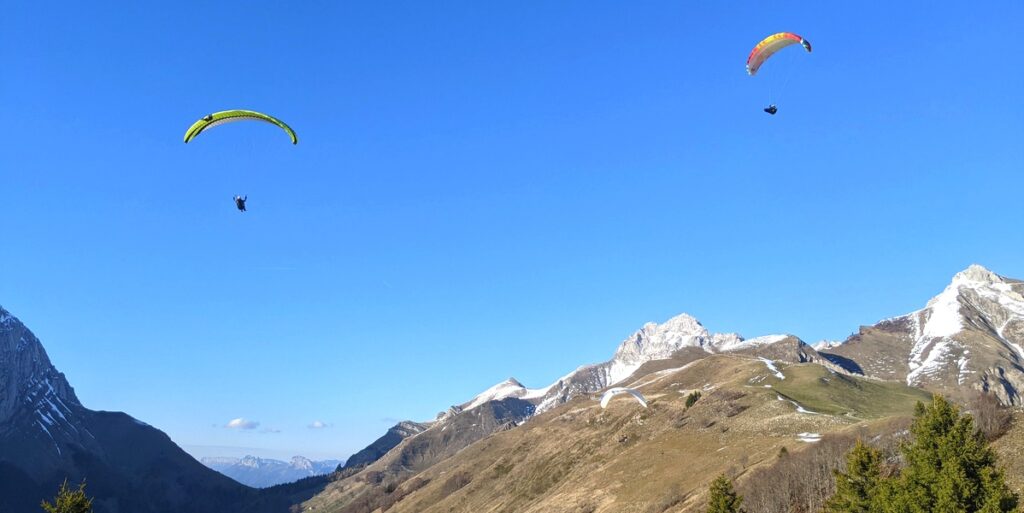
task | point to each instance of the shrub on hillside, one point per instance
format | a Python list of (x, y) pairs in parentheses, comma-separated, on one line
[(722, 498), (992, 418), (69, 501), (398, 495), (692, 399), (456, 483)]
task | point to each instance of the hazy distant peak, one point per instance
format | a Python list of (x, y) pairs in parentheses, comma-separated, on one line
[(261, 472), (822, 345), (300, 462)]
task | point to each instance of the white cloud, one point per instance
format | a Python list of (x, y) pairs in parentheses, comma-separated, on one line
[(241, 423), (318, 424)]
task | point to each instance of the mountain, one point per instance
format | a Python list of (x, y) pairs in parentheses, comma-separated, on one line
[(47, 436), (382, 445), (262, 473), (758, 396), (967, 338), (654, 351), (579, 457), (653, 342), (553, 449)]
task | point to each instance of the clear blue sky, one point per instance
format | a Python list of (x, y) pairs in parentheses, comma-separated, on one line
[(481, 190)]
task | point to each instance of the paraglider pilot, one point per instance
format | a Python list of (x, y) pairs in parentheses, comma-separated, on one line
[(240, 202), (771, 109)]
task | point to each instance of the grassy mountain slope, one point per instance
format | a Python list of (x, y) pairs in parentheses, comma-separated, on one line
[(579, 457)]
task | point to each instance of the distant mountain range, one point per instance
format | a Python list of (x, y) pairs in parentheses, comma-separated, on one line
[(550, 449), (261, 472)]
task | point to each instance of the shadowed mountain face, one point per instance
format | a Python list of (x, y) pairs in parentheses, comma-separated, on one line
[(382, 445), (47, 436)]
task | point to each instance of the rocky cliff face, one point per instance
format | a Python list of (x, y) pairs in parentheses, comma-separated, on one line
[(40, 416), (47, 436)]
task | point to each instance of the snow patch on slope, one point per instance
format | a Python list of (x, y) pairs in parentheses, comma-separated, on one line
[(771, 366), (962, 368), (740, 343), (929, 357), (942, 314), (809, 437), (799, 409)]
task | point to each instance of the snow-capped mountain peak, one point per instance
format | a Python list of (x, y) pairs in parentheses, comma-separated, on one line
[(251, 461), (941, 317), (658, 341), (299, 462), (974, 294), (977, 275), (654, 340), (971, 333), (651, 342), (508, 388), (823, 345), (261, 472)]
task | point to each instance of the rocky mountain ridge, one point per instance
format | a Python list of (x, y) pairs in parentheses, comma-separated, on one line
[(967, 338), (978, 308)]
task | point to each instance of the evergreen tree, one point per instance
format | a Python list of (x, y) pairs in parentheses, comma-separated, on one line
[(949, 467), (692, 399), (69, 501), (856, 488), (723, 499)]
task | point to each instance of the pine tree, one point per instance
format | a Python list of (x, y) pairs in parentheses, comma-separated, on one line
[(692, 399), (69, 501), (950, 468), (856, 488), (723, 499)]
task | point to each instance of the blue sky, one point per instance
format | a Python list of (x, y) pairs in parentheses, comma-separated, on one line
[(481, 190)]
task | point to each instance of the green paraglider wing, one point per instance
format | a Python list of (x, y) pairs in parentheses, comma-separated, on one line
[(229, 116)]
